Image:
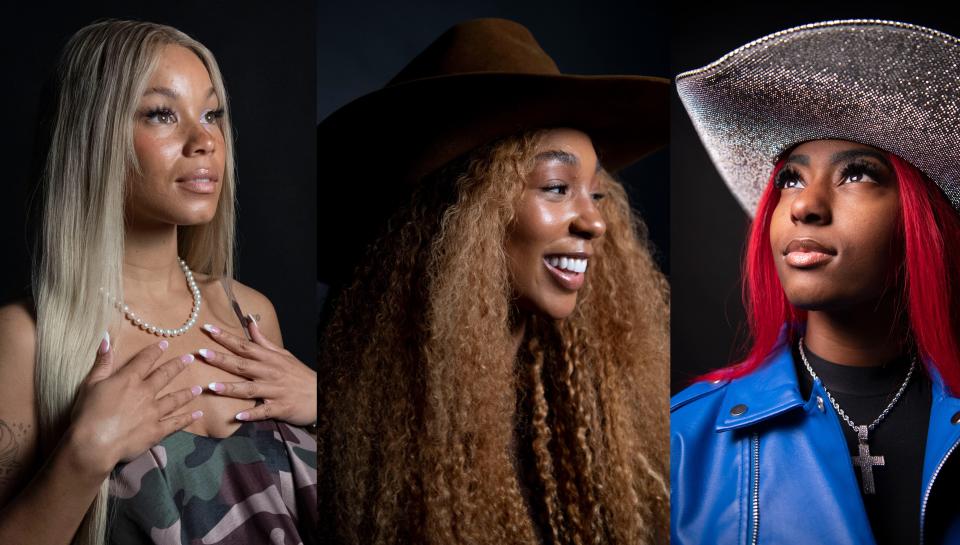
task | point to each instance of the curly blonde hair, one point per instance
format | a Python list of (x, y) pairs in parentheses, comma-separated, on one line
[(435, 429)]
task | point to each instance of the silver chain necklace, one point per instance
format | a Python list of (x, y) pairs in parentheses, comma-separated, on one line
[(864, 461)]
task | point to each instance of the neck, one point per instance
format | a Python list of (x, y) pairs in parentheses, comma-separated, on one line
[(150, 268), (863, 337), (517, 331)]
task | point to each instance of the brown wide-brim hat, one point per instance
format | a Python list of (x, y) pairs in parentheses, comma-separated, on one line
[(481, 80), (890, 85)]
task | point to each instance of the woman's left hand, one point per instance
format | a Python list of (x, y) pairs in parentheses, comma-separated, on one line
[(287, 386)]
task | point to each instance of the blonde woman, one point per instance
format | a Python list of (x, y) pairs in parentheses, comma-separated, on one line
[(111, 377)]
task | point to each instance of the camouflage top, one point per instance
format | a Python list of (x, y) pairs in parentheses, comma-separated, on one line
[(257, 486)]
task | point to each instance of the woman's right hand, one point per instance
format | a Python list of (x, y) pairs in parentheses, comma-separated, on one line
[(117, 416)]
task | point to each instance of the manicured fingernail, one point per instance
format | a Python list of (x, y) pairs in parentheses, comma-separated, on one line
[(252, 320), (216, 386), (163, 345), (207, 354), (196, 390), (212, 328), (243, 416), (186, 358), (196, 414), (105, 343)]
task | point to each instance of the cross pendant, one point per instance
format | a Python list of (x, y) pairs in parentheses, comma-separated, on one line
[(866, 462)]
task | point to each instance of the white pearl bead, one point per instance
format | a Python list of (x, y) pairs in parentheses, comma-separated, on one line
[(146, 326)]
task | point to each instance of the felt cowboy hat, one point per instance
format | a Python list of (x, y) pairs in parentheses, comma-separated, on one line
[(479, 81), (890, 85)]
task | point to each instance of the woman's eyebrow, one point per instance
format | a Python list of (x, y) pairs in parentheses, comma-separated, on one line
[(847, 155), (170, 93), (564, 157), (798, 159)]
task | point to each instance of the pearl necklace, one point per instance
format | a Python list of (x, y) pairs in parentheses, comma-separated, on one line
[(159, 331)]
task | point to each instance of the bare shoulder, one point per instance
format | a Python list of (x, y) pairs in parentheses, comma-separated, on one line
[(18, 334), (18, 431), (251, 301), (255, 303)]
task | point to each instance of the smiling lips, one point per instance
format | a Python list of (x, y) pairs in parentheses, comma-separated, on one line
[(202, 181), (567, 270), (807, 253)]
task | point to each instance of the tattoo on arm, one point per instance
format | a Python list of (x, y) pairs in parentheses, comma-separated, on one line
[(12, 436)]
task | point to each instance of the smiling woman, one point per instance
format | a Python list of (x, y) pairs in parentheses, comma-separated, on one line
[(98, 377), (508, 381), (557, 223)]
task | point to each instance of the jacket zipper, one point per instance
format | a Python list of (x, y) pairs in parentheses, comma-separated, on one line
[(755, 507), (926, 495)]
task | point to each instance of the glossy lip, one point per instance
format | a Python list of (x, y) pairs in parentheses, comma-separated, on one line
[(807, 253), (191, 181), (570, 281)]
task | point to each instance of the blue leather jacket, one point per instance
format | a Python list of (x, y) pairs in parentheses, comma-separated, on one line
[(777, 469)]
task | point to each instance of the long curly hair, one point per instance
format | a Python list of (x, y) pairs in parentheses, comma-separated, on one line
[(436, 429)]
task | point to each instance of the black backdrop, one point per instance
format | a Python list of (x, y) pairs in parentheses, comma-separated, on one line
[(362, 45), (708, 228), (266, 53)]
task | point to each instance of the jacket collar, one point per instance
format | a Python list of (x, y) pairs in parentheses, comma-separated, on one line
[(773, 389), (768, 391)]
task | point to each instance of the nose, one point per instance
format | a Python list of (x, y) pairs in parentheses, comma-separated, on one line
[(588, 222), (200, 141), (812, 205)]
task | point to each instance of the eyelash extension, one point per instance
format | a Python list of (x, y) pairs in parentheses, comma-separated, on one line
[(861, 168), (158, 111), (785, 175)]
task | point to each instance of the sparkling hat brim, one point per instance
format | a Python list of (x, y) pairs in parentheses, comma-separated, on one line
[(890, 85)]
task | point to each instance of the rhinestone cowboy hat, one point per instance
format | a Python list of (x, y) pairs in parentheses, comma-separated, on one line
[(890, 85)]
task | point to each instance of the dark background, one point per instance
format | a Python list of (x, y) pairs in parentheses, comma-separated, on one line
[(266, 55), (707, 227), (361, 46)]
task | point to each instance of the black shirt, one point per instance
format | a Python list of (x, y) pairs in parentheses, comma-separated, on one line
[(863, 393)]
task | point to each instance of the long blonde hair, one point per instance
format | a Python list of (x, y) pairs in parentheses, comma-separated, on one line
[(423, 389), (103, 72)]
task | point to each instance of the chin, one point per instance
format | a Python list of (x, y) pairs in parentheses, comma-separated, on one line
[(196, 217), (558, 310), (819, 301)]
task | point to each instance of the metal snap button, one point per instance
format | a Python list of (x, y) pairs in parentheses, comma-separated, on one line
[(820, 403), (737, 410)]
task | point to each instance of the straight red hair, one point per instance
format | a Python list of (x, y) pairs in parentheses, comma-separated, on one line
[(930, 231)]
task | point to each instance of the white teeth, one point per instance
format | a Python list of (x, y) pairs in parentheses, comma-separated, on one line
[(568, 264)]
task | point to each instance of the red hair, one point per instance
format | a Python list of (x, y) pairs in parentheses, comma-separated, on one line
[(930, 231)]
